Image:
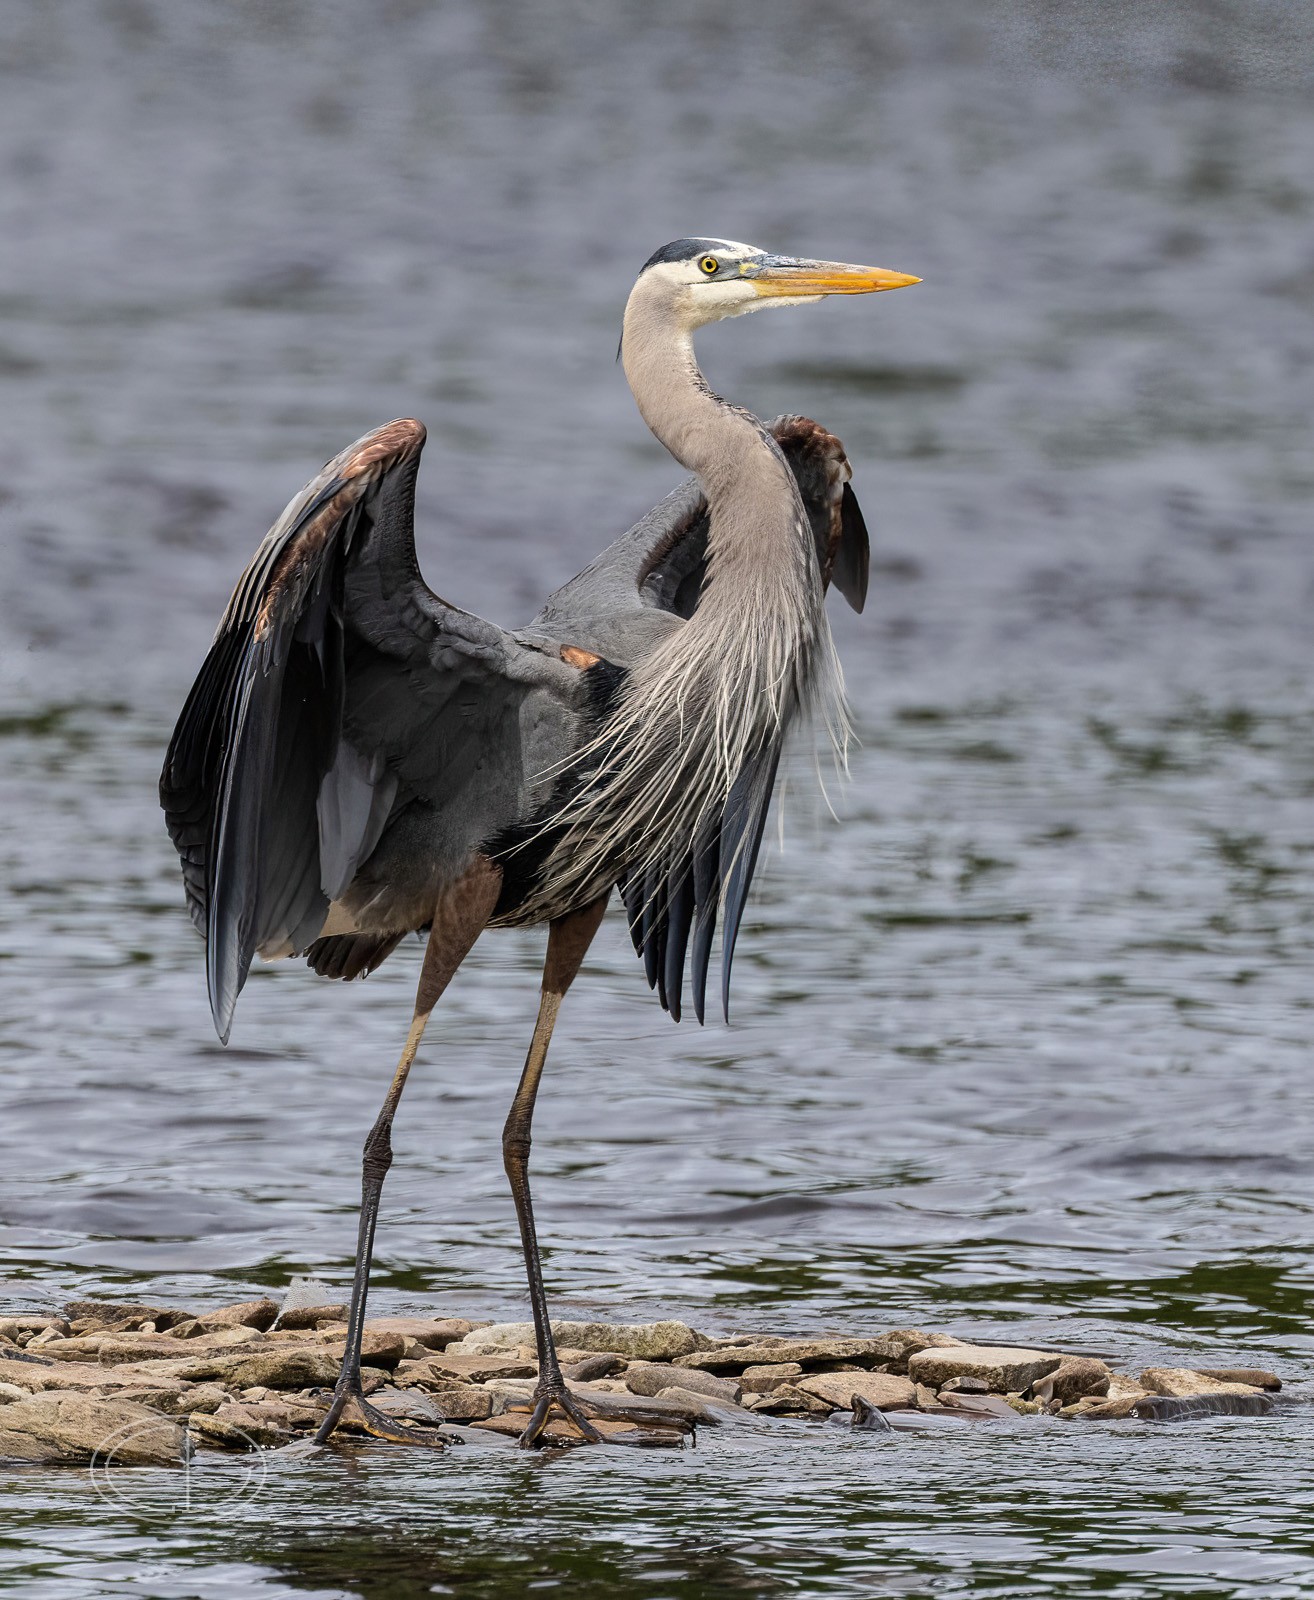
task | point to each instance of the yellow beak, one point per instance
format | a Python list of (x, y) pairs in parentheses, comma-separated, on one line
[(786, 275)]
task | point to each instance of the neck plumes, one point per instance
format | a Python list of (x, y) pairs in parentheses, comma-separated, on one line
[(759, 638), (712, 702)]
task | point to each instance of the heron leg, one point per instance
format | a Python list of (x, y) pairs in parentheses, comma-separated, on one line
[(458, 921), (569, 938)]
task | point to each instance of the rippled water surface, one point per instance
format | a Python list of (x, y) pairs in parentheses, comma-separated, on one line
[(1021, 1048)]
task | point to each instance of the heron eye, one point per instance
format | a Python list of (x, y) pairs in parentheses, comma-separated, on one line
[(709, 264)]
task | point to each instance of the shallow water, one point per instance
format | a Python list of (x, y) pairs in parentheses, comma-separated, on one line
[(1021, 1048)]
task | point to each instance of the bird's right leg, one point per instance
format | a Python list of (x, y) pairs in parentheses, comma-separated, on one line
[(460, 918)]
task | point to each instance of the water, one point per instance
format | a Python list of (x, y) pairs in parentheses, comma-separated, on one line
[(1020, 1049)]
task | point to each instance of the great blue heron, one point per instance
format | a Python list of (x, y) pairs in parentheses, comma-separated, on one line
[(359, 759)]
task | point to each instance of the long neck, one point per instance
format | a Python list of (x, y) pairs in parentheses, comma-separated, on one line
[(740, 471)]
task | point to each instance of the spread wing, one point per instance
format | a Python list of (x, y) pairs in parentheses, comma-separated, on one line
[(338, 688), (657, 569)]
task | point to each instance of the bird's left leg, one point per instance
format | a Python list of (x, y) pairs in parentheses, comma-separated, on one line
[(569, 938), (459, 919)]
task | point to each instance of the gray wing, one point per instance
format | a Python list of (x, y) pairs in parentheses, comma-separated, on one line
[(655, 573), (337, 686)]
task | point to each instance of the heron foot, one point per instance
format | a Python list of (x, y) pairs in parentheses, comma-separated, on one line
[(350, 1409), (545, 1397)]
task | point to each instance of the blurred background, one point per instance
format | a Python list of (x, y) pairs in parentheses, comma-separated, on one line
[(1021, 1047)]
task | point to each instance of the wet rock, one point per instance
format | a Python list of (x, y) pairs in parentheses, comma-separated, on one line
[(1076, 1377), (462, 1402), (674, 1408), (1185, 1408), (763, 1379), (806, 1352), (976, 1405), (591, 1368), (76, 1427), (965, 1386), (869, 1417), (1004, 1368), (879, 1389), (1256, 1377), (1024, 1408), (641, 1341), (562, 1433), (1108, 1410), (650, 1378), (1182, 1381), (787, 1400), (248, 1425)]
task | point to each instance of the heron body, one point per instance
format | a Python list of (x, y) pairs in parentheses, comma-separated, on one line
[(359, 759)]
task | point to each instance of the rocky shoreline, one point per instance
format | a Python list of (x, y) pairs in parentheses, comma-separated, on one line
[(145, 1384)]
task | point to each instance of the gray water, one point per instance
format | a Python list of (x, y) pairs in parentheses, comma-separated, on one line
[(1020, 1046)]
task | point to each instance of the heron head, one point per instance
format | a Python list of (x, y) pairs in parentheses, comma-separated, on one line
[(704, 280)]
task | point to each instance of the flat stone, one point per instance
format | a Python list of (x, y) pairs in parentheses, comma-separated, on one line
[(1120, 1386), (1182, 1381), (32, 1322), (806, 1352), (1076, 1377), (1005, 1368), (1258, 1377), (764, 1379), (879, 1389), (1184, 1408), (788, 1400), (117, 1314), (434, 1333), (313, 1316), (965, 1386), (257, 1314), (76, 1427), (379, 1347), (475, 1368), (289, 1368), (112, 1349), (651, 1377), (640, 1341)]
